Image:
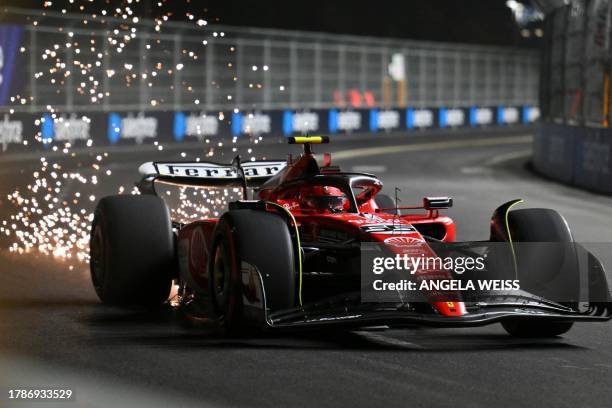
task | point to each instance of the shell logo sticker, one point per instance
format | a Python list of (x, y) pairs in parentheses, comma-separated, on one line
[(403, 241)]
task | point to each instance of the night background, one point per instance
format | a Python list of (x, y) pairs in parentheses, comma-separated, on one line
[(487, 22)]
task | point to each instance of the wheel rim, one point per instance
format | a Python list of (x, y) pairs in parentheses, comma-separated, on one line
[(97, 258), (220, 276)]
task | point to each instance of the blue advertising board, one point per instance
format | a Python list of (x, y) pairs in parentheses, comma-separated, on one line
[(11, 78), (124, 128)]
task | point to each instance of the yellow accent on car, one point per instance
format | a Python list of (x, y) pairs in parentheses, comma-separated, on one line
[(510, 236), (299, 246), (308, 139)]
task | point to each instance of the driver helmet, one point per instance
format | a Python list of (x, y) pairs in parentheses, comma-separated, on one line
[(323, 198)]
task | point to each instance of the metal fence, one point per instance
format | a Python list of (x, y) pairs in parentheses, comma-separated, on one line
[(574, 142), (220, 68), (576, 66)]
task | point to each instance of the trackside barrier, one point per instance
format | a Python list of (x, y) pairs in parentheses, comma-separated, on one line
[(18, 132), (575, 155)]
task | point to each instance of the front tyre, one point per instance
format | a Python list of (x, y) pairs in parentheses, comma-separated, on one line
[(536, 329), (132, 254), (543, 225)]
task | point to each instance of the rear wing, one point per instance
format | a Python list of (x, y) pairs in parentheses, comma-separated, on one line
[(208, 174)]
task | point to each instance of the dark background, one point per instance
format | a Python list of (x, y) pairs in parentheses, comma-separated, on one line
[(464, 21)]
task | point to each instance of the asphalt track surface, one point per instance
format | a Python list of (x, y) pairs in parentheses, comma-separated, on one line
[(53, 331)]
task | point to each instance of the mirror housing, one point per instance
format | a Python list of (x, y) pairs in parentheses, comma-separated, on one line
[(437, 203)]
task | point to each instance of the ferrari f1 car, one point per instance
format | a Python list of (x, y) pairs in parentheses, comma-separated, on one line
[(289, 257)]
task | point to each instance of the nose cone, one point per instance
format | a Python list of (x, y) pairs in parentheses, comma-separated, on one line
[(450, 308)]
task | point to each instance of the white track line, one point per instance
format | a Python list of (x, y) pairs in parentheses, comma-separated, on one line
[(501, 158)]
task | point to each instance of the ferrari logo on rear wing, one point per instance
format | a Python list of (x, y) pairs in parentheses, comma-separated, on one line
[(252, 170), (207, 174)]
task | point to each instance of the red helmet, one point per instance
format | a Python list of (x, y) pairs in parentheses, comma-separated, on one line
[(323, 198)]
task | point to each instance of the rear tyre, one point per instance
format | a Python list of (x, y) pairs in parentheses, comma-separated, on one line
[(543, 225), (132, 254), (262, 240)]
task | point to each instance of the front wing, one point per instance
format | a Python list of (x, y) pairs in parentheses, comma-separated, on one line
[(348, 311), (398, 316)]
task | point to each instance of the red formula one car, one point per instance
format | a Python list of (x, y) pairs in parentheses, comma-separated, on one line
[(291, 257)]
